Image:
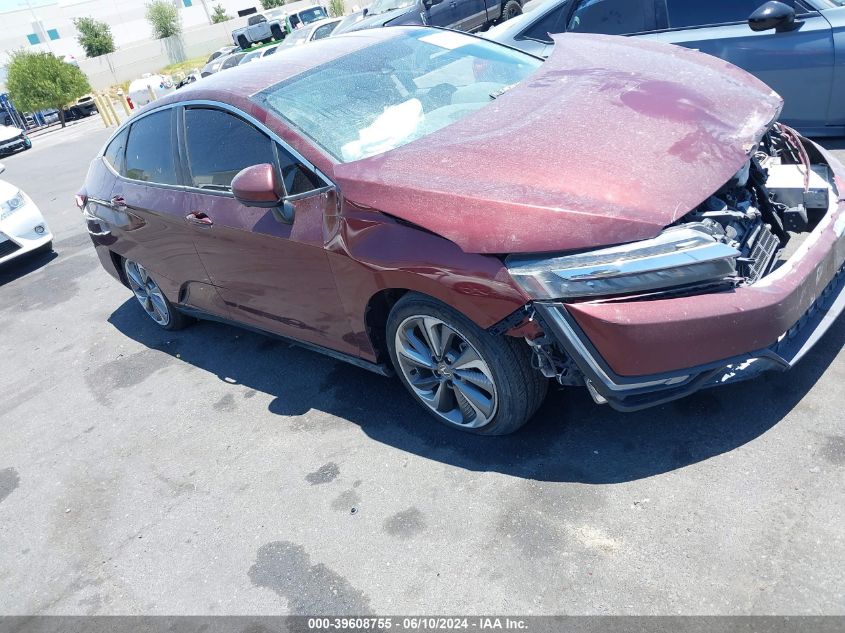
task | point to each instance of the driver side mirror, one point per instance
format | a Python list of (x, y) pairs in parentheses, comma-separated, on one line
[(773, 15), (260, 186)]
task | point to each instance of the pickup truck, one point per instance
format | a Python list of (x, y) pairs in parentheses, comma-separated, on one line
[(465, 15), (258, 29)]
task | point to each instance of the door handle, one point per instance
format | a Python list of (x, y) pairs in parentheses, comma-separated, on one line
[(199, 218), (118, 203)]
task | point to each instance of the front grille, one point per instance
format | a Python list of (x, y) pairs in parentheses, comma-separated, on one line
[(7, 248), (762, 254)]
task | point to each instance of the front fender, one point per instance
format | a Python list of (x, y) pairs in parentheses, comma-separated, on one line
[(372, 252)]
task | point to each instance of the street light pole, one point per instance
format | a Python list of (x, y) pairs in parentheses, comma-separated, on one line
[(39, 25)]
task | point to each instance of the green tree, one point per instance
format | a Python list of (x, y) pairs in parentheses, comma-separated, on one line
[(37, 81), (272, 4), (94, 36), (219, 14), (336, 8), (164, 17)]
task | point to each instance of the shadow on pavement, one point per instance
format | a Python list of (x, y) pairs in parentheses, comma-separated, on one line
[(24, 265), (570, 439)]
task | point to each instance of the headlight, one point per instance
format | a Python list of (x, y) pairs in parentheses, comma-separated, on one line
[(677, 257), (10, 206)]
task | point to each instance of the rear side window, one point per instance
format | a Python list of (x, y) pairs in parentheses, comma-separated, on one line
[(612, 17), (149, 151), (115, 153), (683, 13), (233, 60)]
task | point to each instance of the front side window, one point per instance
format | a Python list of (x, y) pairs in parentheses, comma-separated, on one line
[(391, 93), (149, 150), (683, 13), (220, 145), (611, 17), (115, 153)]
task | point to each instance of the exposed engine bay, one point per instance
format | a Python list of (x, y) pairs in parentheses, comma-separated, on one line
[(778, 195), (761, 215)]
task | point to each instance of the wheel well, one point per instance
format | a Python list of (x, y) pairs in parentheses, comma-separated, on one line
[(375, 319), (117, 260)]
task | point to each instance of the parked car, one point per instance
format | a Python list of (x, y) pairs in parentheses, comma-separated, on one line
[(464, 15), (85, 106), (259, 29), (139, 89), (22, 227), (431, 203), (311, 32), (13, 139), (793, 49), (226, 50), (230, 61)]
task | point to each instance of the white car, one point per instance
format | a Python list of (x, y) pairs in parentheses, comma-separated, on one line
[(139, 89), (13, 139), (22, 227)]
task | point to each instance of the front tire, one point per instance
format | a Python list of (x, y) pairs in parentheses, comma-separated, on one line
[(243, 42), (464, 376), (152, 299), (277, 32)]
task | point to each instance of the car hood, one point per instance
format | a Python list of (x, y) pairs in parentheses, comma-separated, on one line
[(609, 141), (8, 132)]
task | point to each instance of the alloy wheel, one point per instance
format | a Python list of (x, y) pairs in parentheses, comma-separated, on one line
[(148, 293), (446, 372)]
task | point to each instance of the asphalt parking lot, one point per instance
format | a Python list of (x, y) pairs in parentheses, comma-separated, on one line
[(215, 471)]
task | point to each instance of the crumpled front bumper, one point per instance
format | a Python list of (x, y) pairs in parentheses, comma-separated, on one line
[(636, 354)]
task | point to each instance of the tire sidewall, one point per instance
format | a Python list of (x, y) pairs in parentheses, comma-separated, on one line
[(491, 348)]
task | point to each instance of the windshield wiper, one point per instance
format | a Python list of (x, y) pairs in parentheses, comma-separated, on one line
[(498, 93)]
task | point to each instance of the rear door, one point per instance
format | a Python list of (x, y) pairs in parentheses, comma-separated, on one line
[(797, 64), (148, 213), (272, 275)]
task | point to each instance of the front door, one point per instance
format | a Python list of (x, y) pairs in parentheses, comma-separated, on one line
[(272, 275)]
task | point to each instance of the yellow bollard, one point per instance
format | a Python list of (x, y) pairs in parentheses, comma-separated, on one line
[(101, 108), (112, 111), (125, 105), (152, 93)]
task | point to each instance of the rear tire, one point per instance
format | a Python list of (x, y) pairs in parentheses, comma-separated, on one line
[(464, 376), (152, 299)]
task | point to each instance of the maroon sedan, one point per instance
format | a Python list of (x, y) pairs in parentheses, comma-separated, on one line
[(627, 216)]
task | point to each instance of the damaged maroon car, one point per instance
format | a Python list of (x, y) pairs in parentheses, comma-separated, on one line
[(627, 217)]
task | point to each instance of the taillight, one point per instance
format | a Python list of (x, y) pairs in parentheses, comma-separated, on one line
[(81, 200)]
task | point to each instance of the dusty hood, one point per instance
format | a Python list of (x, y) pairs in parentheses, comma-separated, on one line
[(7, 132), (609, 141)]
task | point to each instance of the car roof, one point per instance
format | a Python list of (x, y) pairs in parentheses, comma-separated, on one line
[(512, 27), (287, 62)]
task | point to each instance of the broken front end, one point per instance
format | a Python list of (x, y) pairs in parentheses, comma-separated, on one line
[(746, 282)]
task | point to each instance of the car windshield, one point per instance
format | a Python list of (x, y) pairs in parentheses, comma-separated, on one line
[(383, 6), (396, 91)]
